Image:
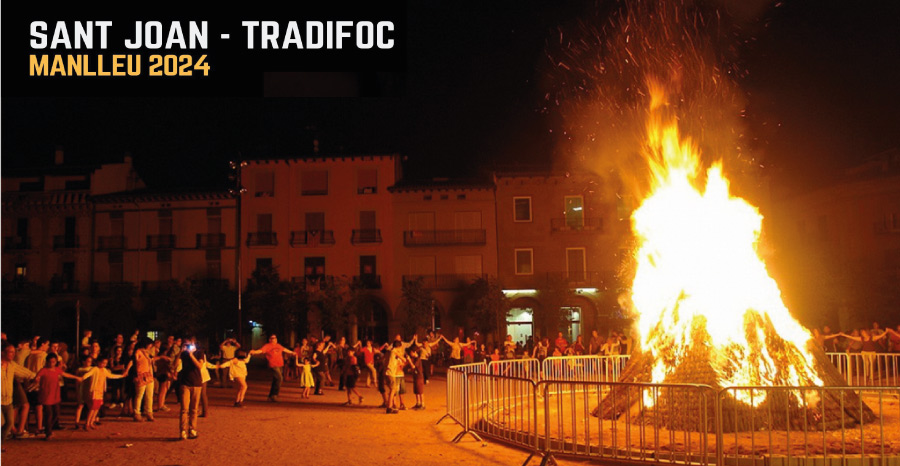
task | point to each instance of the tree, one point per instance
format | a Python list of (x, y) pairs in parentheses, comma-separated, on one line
[(417, 303), (486, 306), (117, 313), (23, 305), (178, 309), (217, 302), (268, 300), (554, 296)]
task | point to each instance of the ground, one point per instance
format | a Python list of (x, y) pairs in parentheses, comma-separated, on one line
[(317, 431)]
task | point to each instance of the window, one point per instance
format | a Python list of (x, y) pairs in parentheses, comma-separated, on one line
[(214, 263), (21, 271), (460, 197), (575, 264), (314, 182), (264, 222), (523, 261), (263, 263), (574, 207), (265, 184), (367, 265), (315, 222), (367, 181), (116, 269), (164, 265), (522, 209), (468, 266), (367, 220), (314, 267)]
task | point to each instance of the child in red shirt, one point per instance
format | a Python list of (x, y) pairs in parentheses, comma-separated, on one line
[(48, 391)]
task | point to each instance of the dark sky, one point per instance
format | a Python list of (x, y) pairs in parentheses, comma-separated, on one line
[(824, 86)]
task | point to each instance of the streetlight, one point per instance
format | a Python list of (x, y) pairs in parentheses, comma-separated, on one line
[(237, 192)]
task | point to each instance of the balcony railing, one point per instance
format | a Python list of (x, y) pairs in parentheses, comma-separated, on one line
[(214, 283), (66, 242), (262, 238), (160, 241), (108, 243), (885, 228), (16, 243), (63, 285), (414, 238), (313, 282), (587, 279), (312, 238), (153, 286), (447, 281), (367, 281), (210, 240), (106, 288), (573, 224), (366, 236)]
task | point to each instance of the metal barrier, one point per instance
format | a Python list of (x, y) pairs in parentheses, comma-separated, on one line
[(504, 408), (680, 424), (458, 396), (591, 368), (868, 369), (629, 421), (519, 368), (817, 425)]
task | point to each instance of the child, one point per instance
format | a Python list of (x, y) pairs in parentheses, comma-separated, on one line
[(48, 391), (98, 376), (238, 372), (306, 377), (82, 390), (350, 372), (418, 380)]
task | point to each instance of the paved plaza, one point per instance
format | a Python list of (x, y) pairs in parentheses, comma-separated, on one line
[(319, 431)]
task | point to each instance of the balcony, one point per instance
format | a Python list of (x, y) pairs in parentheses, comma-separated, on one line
[(312, 238), (587, 279), (16, 243), (366, 236), (262, 238), (313, 283), (210, 240), (447, 281), (160, 241), (367, 281), (155, 286), (63, 285), (65, 242), (110, 243), (416, 238), (594, 224), (107, 288), (885, 228), (210, 283)]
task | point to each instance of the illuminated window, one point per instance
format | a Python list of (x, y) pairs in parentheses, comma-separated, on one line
[(574, 206), (314, 182)]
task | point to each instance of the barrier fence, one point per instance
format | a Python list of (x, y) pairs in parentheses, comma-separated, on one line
[(584, 368), (868, 369), (573, 407)]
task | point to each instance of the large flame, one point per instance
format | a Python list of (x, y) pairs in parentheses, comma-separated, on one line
[(699, 275)]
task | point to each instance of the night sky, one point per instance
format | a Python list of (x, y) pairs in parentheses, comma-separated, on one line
[(823, 90)]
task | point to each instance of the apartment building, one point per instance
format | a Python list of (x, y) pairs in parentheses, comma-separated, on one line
[(558, 230), (314, 219), (447, 233)]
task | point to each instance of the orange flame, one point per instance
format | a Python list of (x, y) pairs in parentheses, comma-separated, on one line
[(698, 267)]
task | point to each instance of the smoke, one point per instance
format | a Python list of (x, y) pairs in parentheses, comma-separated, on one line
[(601, 67)]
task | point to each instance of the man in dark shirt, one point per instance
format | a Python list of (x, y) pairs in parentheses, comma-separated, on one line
[(190, 387)]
